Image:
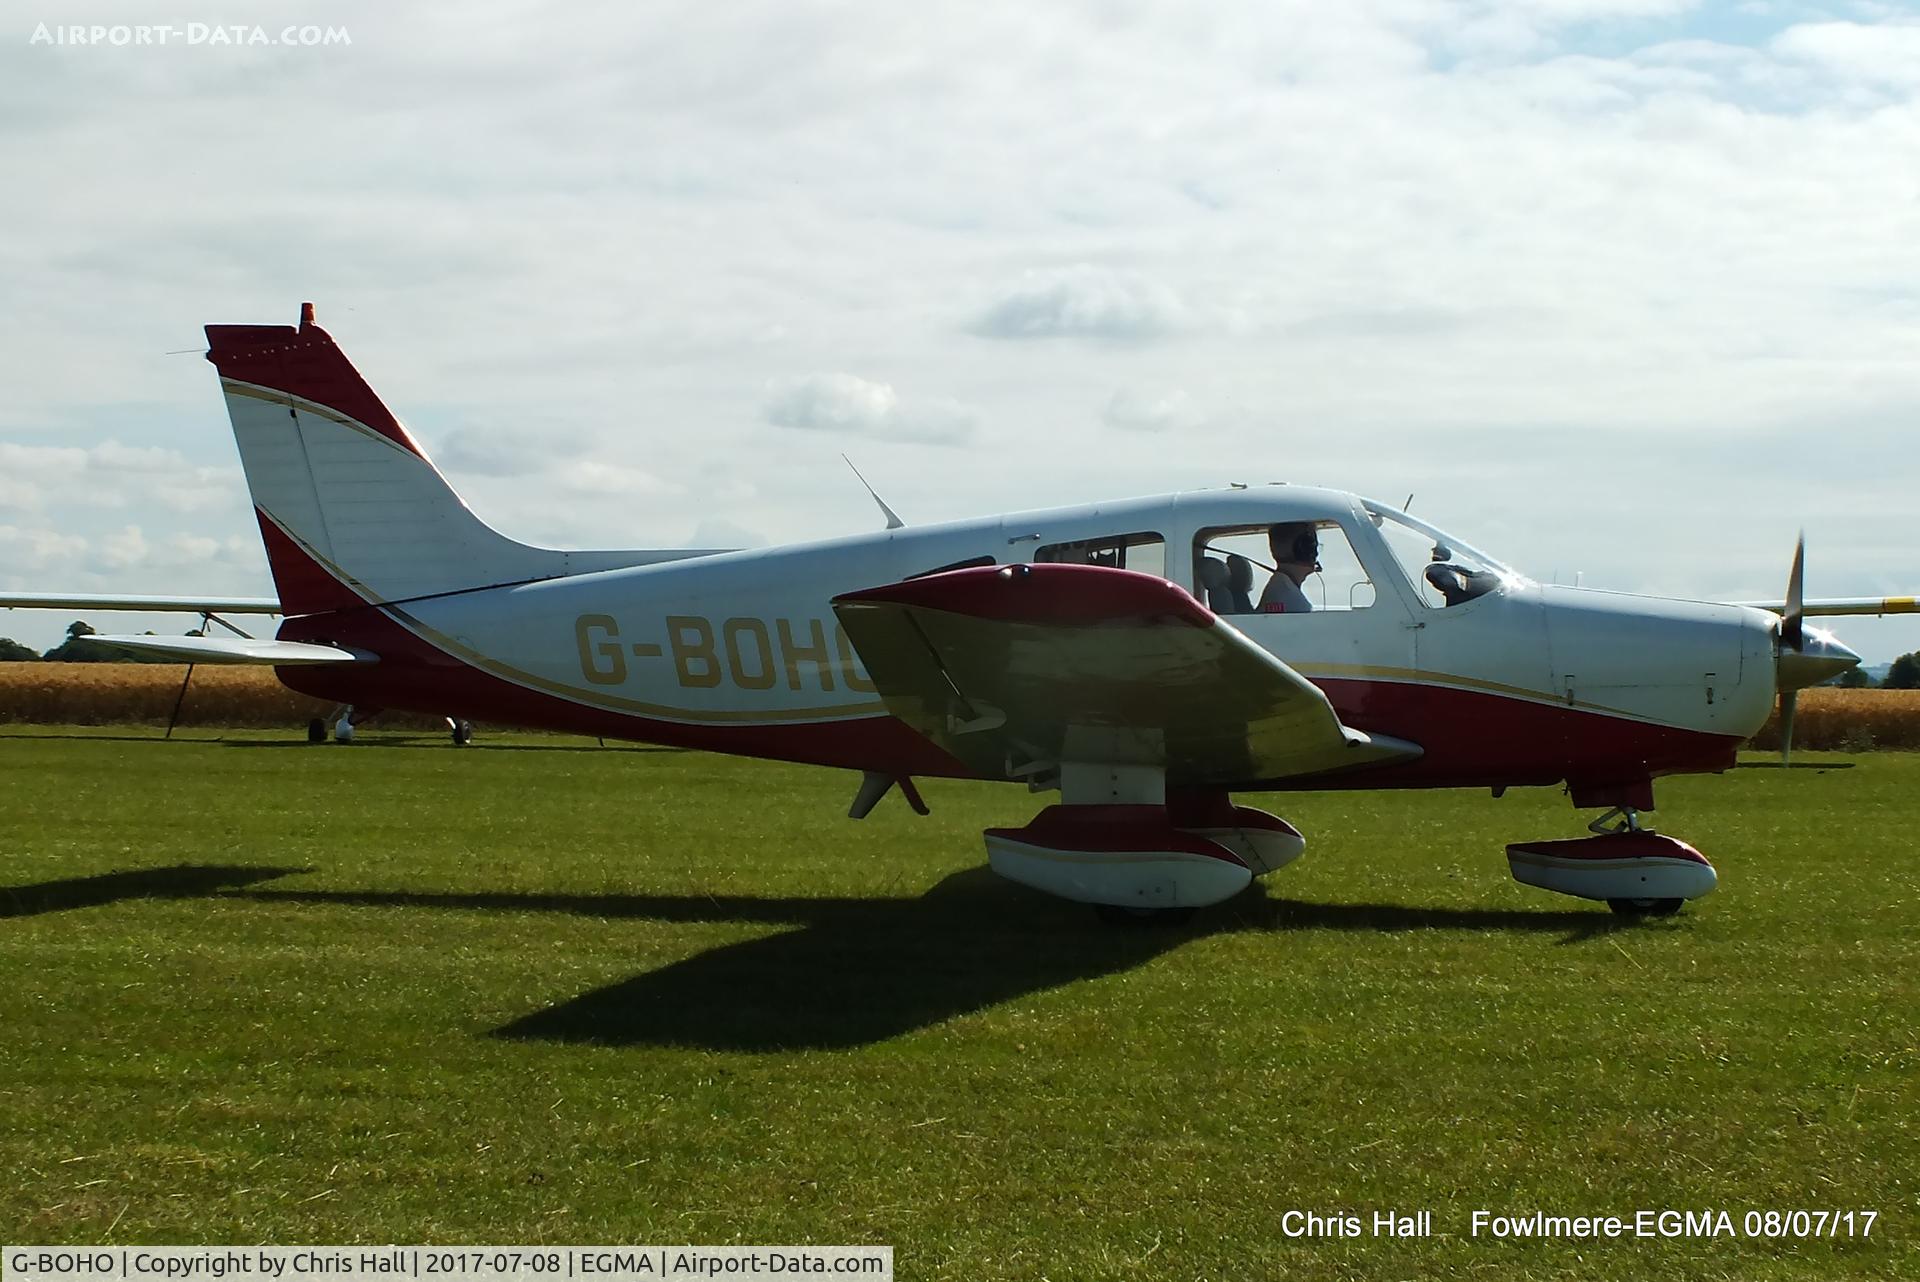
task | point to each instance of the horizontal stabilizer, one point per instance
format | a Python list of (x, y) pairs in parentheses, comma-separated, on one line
[(143, 604), (279, 654)]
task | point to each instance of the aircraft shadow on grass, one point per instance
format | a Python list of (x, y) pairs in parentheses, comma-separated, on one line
[(852, 972), (180, 881), (848, 973)]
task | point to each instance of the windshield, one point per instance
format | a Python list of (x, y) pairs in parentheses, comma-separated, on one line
[(1443, 570)]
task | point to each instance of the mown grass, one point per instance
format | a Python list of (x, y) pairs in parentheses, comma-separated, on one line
[(537, 991)]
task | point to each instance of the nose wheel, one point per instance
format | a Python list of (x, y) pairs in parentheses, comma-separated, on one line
[(1645, 907)]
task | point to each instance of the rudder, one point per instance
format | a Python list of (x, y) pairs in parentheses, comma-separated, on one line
[(351, 509)]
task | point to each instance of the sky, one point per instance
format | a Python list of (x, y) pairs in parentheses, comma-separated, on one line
[(1621, 290)]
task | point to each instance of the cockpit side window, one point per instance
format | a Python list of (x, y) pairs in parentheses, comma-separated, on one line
[(1142, 551), (1307, 566)]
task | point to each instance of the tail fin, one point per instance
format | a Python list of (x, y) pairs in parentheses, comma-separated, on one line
[(350, 507)]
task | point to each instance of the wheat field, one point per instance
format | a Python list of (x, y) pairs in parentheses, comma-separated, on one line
[(120, 694), (1849, 721)]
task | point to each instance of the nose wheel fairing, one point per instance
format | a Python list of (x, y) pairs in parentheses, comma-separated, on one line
[(1625, 867)]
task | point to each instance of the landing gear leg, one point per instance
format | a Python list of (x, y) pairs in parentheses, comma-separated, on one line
[(1619, 819), (350, 719)]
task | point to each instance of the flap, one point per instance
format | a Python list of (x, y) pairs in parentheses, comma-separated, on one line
[(1015, 668)]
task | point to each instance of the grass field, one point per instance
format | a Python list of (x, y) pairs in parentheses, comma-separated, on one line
[(536, 991)]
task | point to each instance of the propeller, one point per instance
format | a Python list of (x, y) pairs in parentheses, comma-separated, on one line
[(1802, 656), (1793, 619), (1793, 636)]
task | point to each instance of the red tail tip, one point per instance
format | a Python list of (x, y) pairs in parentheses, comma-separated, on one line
[(306, 316)]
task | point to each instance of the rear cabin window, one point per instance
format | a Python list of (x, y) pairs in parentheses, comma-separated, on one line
[(1234, 567), (1143, 552)]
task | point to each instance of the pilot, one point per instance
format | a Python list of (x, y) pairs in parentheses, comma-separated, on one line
[(1296, 554)]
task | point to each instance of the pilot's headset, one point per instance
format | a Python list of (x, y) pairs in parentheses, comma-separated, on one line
[(1304, 548)]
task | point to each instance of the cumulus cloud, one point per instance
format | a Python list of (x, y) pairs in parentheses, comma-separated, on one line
[(854, 406), (1168, 410), (30, 551), (1083, 301), (602, 478), (1885, 55), (490, 452), (1384, 218), (719, 532), (40, 478), (128, 559), (124, 548)]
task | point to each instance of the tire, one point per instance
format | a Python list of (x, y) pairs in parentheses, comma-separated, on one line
[(316, 731), (462, 733), (1645, 907)]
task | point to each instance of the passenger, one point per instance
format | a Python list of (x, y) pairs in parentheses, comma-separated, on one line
[(1296, 554)]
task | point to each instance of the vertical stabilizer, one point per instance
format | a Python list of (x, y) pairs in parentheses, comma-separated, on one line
[(350, 507)]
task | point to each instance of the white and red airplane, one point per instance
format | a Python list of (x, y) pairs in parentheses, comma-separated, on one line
[(1114, 652)]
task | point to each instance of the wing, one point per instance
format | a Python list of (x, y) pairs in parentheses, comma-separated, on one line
[(1016, 668), (235, 650), (143, 604), (1844, 605)]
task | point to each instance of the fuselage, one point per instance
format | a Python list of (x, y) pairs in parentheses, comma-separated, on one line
[(1504, 682)]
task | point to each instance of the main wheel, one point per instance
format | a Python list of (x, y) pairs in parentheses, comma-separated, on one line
[(1119, 915), (462, 733), (316, 731), (1645, 907)]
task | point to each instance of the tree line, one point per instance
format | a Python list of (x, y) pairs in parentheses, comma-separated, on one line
[(77, 649)]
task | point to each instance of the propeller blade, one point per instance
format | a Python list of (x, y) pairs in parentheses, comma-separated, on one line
[(1787, 702), (1793, 619)]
